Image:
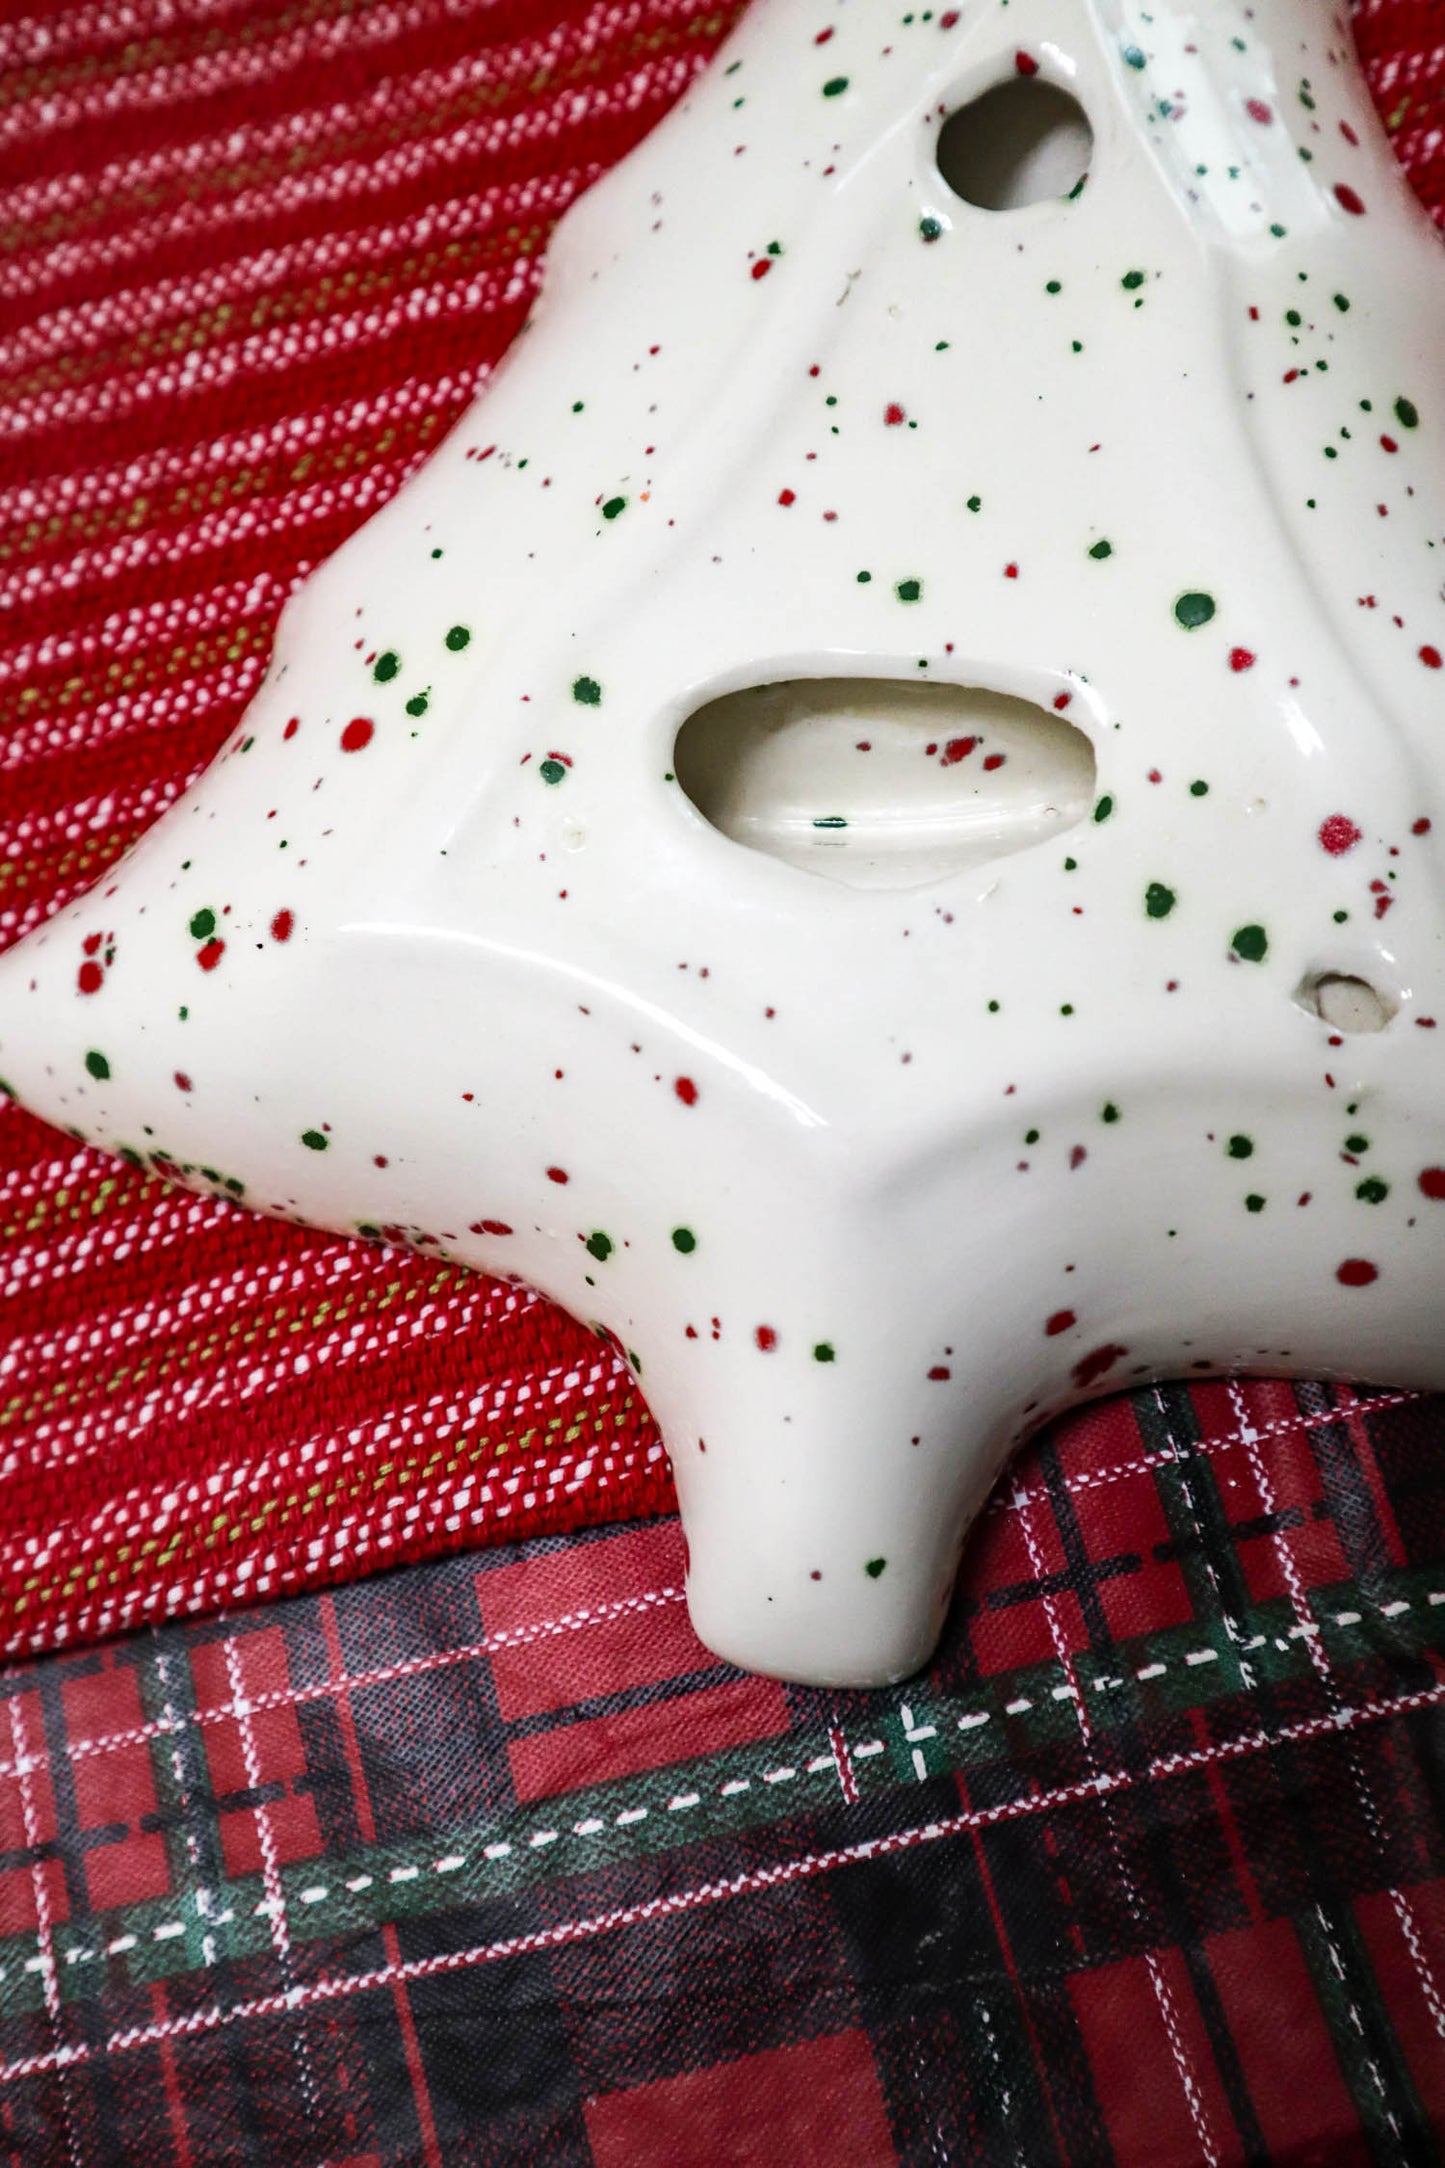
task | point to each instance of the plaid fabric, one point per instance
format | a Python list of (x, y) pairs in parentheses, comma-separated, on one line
[(254, 256), (488, 1861)]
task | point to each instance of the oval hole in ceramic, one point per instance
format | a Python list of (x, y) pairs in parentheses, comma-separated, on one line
[(1024, 141), (882, 784), (1346, 1002)]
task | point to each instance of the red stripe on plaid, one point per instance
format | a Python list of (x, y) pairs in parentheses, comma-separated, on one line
[(814, 2106), (629, 1740)]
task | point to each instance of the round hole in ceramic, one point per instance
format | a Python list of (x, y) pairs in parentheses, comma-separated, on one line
[(1024, 141), (883, 784), (1346, 1002)]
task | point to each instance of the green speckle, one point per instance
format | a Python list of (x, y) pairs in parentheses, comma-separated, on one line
[(909, 590), (1199, 789), (98, 1066), (1066, 1008), (1104, 808), (436, 553), (587, 692), (387, 666), (830, 820), (417, 705), (577, 405), (457, 638), (1055, 286), (1357, 1144), (1193, 610), (183, 1013), (1132, 281), (874, 1567), (1292, 316), (1342, 303), (835, 86), (1279, 231), (599, 1245), (1240, 1147), (1108, 1112), (1100, 550), (1159, 901), (1133, 58), (930, 228), (1071, 865), (1252, 943), (613, 506), (552, 771), (823, 1352), (1407, 414), (203, 925), (864, 578), (313, 1140), (684, 1239), (1031, 1136), (1372, 1190), (975, 504), (993, 1008), (1254, 1203)]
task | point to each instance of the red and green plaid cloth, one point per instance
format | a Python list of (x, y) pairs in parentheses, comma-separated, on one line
[(488, 1861)]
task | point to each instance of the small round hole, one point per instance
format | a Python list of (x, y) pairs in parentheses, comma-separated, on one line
[(1025, 141), (1346, 1003)]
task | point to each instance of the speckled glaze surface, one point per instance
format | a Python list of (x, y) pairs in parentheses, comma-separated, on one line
[(955, 1030)]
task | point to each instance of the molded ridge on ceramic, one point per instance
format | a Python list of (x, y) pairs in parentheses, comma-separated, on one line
[(1037, 991)]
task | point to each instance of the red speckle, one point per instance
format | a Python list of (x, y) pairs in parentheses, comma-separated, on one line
[(92, 942), (766, 1338), (947, 22), (1090, 1368), (1357, 1272), (686, 1090), (281, 926), (1349, 134), (1077, 1156), (1253, 315), (940, 1374), (823, 36), (994, 760), (1421, 827), (1347, 199), (183, 1082), (1010, 572), (787, 496), (557, 1174), (1338, 834), (1389, 444), (1258, 110), (893, 415), (90, 978), (762, 267), (292, 727), (957, 749), (1026, 64), (1431, 657), (490, 1227), (1432, 1184), (209, 956), (381, 1160), (1061, 1321), (1155, 776), (357, 734), (1241, 658)]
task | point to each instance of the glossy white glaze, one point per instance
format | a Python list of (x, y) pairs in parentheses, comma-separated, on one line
[(1022, 1100)]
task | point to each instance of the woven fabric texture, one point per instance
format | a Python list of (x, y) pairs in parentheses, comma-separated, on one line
[(254, 257), (489, 1861)]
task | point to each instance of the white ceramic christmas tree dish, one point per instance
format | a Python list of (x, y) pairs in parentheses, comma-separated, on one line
[(865, 823)]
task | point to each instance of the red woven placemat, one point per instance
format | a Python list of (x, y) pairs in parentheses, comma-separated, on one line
[(254, 258)]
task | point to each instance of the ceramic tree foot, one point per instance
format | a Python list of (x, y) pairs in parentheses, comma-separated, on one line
[(869, 822)]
